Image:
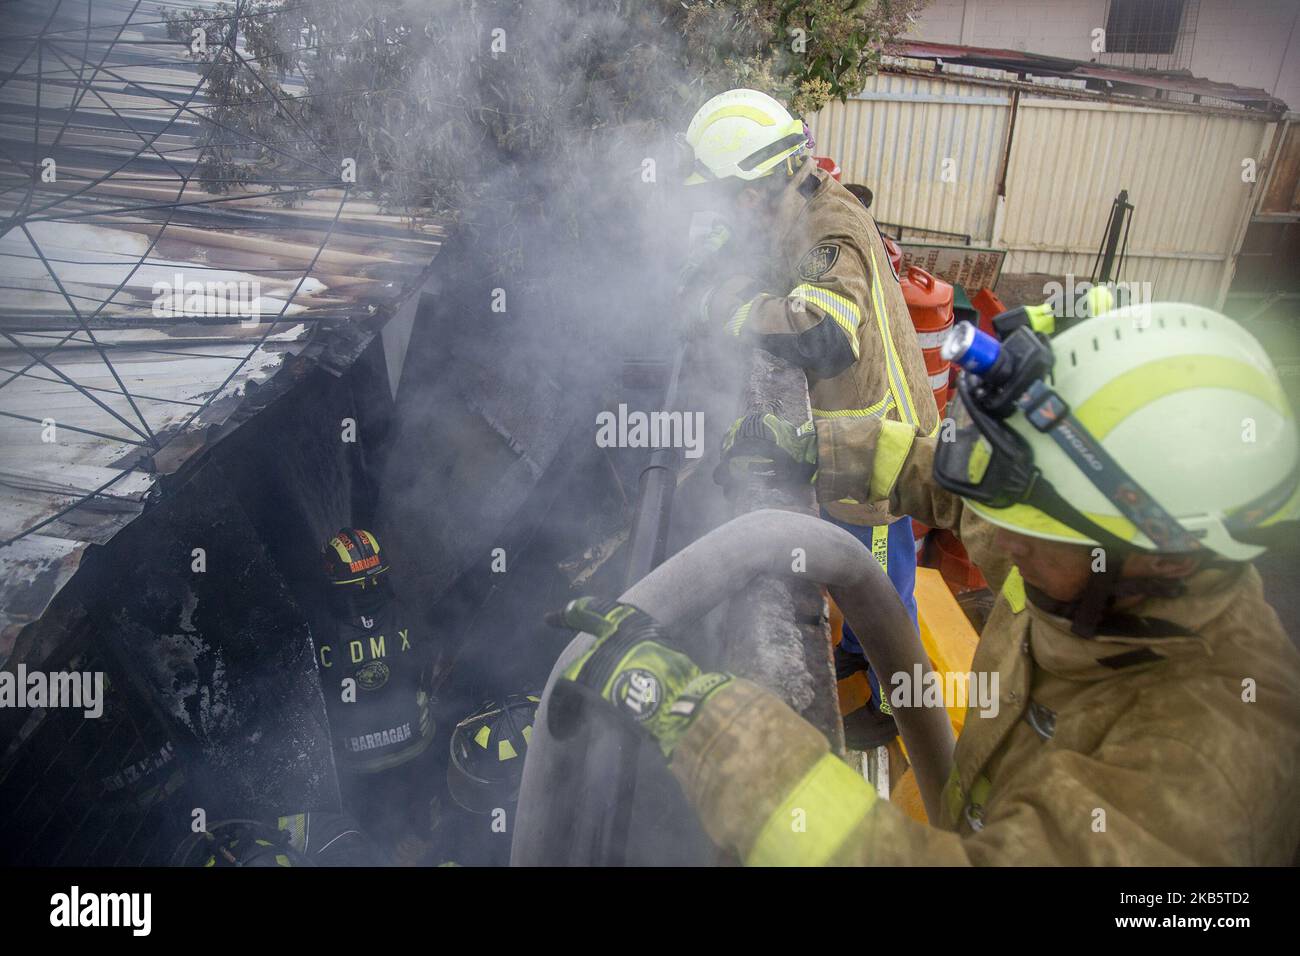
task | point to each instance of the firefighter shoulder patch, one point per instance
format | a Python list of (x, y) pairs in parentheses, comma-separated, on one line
[(818, 260)]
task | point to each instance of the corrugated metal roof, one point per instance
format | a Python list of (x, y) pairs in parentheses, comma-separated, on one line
[(134, 380), (1173, 86)]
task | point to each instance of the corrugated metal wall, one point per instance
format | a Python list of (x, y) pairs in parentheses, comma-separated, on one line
[(896, 136), (1069, 159), (1183, 174)]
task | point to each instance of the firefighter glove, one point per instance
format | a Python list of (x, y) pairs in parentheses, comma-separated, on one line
[(768, 448), (631, 667)]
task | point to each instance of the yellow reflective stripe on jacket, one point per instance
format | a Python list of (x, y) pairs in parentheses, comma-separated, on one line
[(812, 823), (877, 410), (894, 367), (892, 448), (739, 317), (1013, 589), (844, 311), (296, 826), (955, 799)]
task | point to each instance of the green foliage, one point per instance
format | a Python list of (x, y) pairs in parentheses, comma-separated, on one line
[(452, 106)]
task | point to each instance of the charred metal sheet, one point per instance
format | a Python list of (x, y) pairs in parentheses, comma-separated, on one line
[(31, 572), (225, 654)]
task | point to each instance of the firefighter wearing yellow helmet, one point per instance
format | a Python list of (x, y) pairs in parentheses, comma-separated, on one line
[(1148, 719), (805, 276), (809, 280)]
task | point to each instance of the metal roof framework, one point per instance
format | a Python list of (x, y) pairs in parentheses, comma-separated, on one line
[(116, 338)]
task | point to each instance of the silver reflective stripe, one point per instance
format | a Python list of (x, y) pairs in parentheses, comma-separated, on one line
[(844, 311), (932, 340), (877, 410)]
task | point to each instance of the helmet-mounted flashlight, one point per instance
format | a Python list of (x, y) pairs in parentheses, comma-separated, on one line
[(975, 351), (1001, 371)]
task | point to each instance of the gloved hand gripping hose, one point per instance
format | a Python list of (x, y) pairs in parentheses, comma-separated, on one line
[(631, 666)]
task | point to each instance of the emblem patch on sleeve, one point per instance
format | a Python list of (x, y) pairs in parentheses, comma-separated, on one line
[(818, 260)]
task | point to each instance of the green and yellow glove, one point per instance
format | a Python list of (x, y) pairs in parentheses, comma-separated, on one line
[(702, 256), (770, 448), (632, 667)]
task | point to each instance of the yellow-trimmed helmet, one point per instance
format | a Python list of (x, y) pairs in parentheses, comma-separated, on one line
[(487, 753), (1189, 405), (352, 557), (742, 134)]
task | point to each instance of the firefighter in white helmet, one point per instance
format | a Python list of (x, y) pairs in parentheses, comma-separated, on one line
[(806, 276), (1147, 711)]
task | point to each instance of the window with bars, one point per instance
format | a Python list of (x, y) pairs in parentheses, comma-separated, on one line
[(1144, 26)]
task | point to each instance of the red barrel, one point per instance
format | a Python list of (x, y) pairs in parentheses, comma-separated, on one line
[(828, 164), (929, 302), (959, 573), (895, 255)]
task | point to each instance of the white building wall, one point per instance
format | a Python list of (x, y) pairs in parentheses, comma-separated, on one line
[(1253, 43)]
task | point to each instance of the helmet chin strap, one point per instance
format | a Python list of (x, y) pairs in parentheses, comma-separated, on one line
[(1103, 591), (352, 600)]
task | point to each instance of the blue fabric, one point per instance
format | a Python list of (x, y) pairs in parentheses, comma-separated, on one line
[(901, 550)]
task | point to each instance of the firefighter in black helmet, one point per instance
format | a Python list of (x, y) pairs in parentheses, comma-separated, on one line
[(487, 753), (375, 672), (300, 839)]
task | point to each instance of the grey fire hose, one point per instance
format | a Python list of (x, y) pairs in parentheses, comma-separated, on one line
[(684, 588)]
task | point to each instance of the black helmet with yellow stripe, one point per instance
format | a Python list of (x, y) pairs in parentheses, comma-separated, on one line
[(487, 753), (238, 843), (352, 557)]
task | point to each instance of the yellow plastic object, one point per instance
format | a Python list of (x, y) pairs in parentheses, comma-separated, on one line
[(836, 619), (946, 634), (949, 642), (1100, 299), (906, 795), (1041, 318), (854, 692)]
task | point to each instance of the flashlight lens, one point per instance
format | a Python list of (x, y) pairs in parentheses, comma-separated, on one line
[(957, 342), (973, 350)]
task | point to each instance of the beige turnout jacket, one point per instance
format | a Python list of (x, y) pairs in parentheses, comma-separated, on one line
[(832, 305), (1172, 737)]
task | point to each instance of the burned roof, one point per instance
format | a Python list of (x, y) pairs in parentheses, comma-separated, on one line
[(142, 317), (1168, 86)]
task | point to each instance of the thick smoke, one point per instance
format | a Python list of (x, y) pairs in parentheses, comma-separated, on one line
[(577, 220)]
